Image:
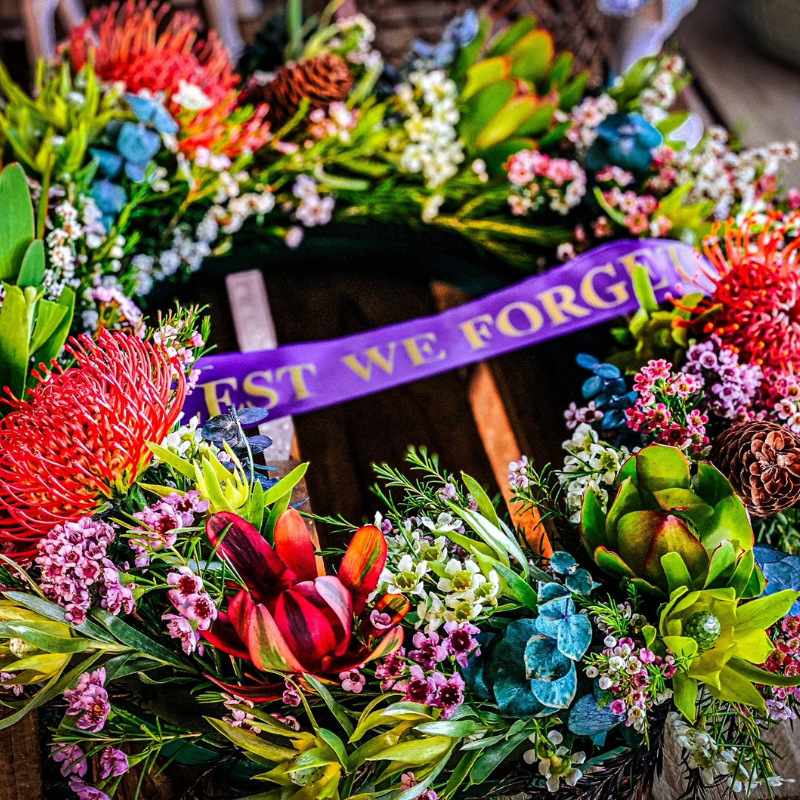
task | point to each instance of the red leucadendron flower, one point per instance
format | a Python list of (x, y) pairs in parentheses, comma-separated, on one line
[(753, 290), (81, 436), (124, 42), (292, 617)]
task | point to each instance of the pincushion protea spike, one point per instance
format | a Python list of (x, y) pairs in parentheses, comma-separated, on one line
[(81, 436), (124, 43), (293, 618), (753, 290)]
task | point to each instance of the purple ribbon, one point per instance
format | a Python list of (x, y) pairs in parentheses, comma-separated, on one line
[(591, 289)]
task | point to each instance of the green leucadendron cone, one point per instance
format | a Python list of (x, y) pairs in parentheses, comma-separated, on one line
[(32, 329), (667, 528), (720, 642)]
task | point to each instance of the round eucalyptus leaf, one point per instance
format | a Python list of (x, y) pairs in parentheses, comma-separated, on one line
[(543, 661), (558, 693)]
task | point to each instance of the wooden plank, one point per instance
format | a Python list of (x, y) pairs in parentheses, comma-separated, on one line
[(344, 441), (538, 383), (752, 95), (255, 330), (21, 761)]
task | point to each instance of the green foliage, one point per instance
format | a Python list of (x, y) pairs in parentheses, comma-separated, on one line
[(51, 130), (727, 667), (388, 738), (39, 646), (667, 529), (32, 329), (653, 332), (511, 87), (628, 91)]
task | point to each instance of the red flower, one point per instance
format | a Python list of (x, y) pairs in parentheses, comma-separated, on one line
[(124, 42), (292, 617), (81, 437), (754, 292)]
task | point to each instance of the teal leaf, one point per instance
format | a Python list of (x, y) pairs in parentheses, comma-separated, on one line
[(562, 562), (514, 697), (543, 661), (575, 636), (551, 591), (559, 693), (580, 582), (137, 144), (587, 718)]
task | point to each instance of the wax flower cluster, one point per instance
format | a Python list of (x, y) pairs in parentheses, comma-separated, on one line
[(667, 407), (77, 572), (782, 702), (634, 675), (540, 181), (433, 148)]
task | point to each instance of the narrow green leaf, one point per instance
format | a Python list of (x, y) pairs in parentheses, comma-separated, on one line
[(51, 348), (490, 759), (54, 612), (336, 709), (48, 318), (255, 505), (54, 687), (174, 461), (251, 743), (454, 728), (138, 641), (335, 744), (33, 265), (14, 340), (485, 505), (518, 587), (417, 751), (45, 641), (370, 748), (460, 773), (285, 484)]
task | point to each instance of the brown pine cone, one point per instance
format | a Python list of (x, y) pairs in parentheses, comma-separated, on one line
[(762, 462), (324, 79)]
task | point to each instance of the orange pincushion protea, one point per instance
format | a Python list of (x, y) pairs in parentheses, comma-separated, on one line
[(81, 437), (125, 45), (754, 290)]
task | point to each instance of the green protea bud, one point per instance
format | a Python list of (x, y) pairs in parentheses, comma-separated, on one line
[(305, 777), (704, 628)]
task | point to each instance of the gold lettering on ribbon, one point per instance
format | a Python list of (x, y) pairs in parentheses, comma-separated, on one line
[(589, 294), (420, 351), (557, 309), (532, 314), (477, 330), (253, 389), (301, 390), (213, 400), (630, 262), (374, 356)]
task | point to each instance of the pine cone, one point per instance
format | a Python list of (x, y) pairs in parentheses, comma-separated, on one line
[(762, 462), (324, 79)]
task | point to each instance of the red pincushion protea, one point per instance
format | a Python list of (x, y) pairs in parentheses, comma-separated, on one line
[(124, 42), (81, 437), (755, 290)]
